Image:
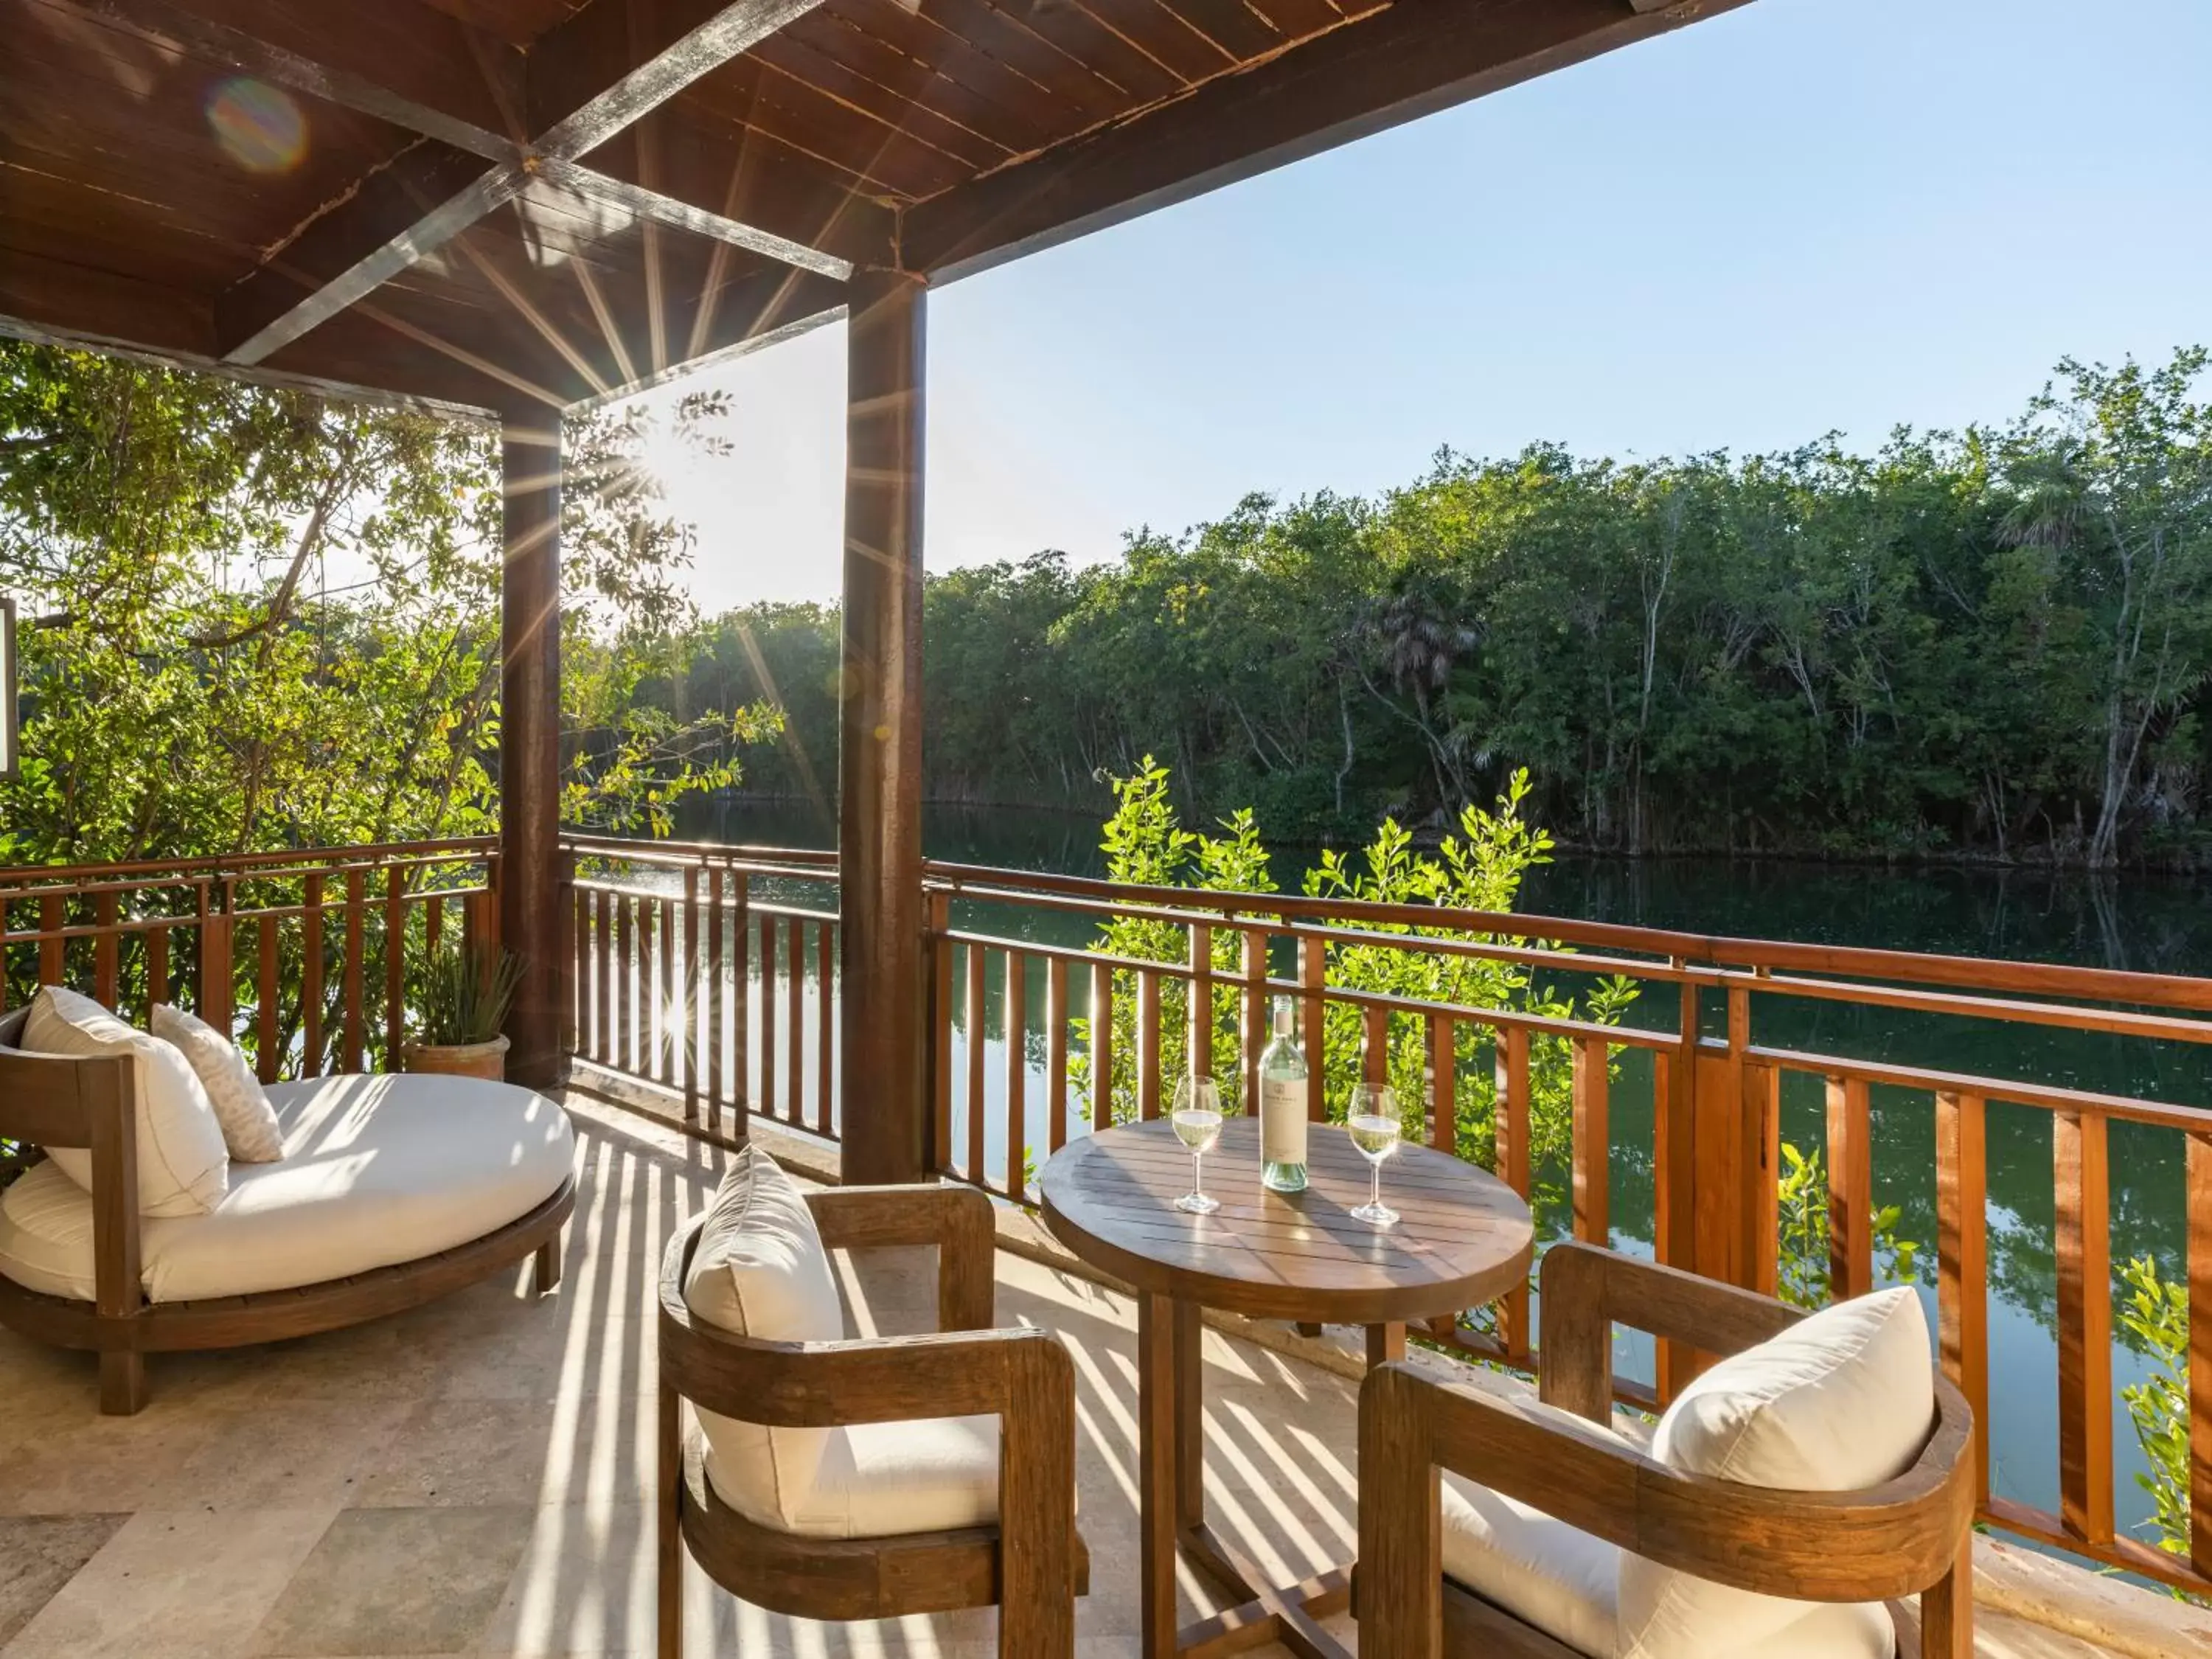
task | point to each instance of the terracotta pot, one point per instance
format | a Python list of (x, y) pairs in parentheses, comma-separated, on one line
[(484, 1060)]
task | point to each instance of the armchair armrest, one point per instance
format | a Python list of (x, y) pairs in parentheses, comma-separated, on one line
[(1586, 1290), (1894, 1540), (957, 1219)]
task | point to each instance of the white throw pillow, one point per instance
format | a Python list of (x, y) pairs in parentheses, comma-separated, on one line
[(760, 1270), (241, 1105), (1842, 1401), (184, 1168)]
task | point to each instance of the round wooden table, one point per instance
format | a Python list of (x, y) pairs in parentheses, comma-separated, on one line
[(1462, 1239)]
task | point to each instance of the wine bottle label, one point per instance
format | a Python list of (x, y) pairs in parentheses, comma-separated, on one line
[(1283, 1121)]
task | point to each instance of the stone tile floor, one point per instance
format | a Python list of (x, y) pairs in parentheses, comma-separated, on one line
[(474, 1477)]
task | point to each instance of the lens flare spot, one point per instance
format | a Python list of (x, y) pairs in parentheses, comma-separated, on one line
[(258, 127)]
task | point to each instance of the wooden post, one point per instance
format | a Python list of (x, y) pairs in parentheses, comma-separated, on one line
[(530, 740), (880, 735)]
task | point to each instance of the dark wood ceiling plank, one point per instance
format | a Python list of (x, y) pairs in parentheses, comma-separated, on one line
[(891, 107), (1077, 27), (1010, 120), (87, 303), (748, 92), (611, 61), (429, 194), (1417, 56), (1295, 20), (750, 177), (1040, 116), (1238, 32), (398, 60), (1074, 86)]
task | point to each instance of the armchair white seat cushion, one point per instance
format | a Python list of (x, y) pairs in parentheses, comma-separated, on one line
[(184, 1168), (1841, 1402), (242, 1107), (376, 1170), (761, 1270)]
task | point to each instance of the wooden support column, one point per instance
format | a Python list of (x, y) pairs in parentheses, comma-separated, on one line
[(530, 740), (879, 738)]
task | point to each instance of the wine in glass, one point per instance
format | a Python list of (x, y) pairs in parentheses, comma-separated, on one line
[(1196, 1118), (1375, 1128)]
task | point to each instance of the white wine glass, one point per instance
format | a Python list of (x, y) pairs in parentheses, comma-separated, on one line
[(1375, 1128), (1196, 1117)]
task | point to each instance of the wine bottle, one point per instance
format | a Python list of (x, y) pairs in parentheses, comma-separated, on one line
[(1283, 1107)]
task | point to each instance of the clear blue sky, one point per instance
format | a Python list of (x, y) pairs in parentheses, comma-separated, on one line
[(1805, 215)]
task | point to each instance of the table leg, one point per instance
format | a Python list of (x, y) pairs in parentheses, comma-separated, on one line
[(1190, 1364), (1158, 1486), (1384, 1344)]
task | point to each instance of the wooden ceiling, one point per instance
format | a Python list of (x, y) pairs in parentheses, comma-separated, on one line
[(507, 204)]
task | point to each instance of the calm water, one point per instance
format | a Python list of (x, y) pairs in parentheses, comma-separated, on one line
[(2155, 925)]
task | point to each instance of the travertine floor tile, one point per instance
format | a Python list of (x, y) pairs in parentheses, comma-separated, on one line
[(38, 1554), (397, 1581)]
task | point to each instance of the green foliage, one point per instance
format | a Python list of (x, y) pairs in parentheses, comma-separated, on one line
[(1802, 1265), (2154, 1319), (1990, 643), (457, 1000)]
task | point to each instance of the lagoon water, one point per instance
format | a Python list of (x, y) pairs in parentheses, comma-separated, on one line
[(2151, 924)]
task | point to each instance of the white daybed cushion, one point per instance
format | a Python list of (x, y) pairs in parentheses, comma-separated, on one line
[(241, 1104), (1842, 1401), (760, 1269), (376, 1170), (183, 1165)]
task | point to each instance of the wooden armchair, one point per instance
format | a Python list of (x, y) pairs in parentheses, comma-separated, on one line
[(1910, 1536), (1032, 1564)]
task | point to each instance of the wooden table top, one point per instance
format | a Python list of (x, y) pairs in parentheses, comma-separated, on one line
[(1463, 1236)]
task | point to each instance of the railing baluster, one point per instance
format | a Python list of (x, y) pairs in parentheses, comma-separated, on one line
[(1443, 1126), (975, 1168), (1055, 1055), (53, 916), (1375, 1055), (157, 967), (395, 964), (2080, 1172), (1592, 1157), (625, 1044), (794, 1021), (667, 1006), (1850, 1190), (1962, 1263), (691, 988), (940, 1033), (356, 902), (1313, 975), (1253, 1033), (1198, 1006), (1102, 1046), (603, 985), (649, 992), (577, 1013), (741, 991), (766, 1098), (714, 998), (1015, 1023), (311, 978), (266, 1063), (1512, 1129), (1148, 1043), (2197, 1206), (103, 948), (825, 1026)]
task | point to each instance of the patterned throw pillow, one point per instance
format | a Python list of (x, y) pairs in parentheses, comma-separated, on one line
[(241, 1105)]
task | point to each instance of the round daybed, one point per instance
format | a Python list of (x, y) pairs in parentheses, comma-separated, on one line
[(393, 1190)]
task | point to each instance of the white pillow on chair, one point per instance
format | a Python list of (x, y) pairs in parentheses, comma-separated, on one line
[(1842, 1401), (760, 1270), (184, 1168), (241, 1105)]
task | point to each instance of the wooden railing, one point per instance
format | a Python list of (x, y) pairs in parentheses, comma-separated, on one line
[(301, 954), (685, 974), (1715, 1104)]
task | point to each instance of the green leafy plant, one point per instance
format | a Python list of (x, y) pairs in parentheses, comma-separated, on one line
[(1801, 1278), (460, 1000), (2155, 1319)]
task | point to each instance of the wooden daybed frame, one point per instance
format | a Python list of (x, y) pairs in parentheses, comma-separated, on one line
[(1032, 1564), (50, 1101)]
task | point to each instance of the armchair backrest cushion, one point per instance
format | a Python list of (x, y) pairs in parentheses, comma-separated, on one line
[(1841, 1402), (241, 1104), (760, 1270), (184, 1168)]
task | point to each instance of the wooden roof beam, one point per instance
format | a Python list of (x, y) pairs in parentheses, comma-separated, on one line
[(1409, 60)]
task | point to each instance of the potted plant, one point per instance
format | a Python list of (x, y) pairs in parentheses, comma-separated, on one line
[(458, 1012)]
